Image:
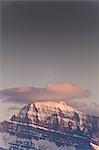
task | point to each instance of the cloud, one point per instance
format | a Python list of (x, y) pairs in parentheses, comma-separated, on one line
[(92, 109), (84, 107), (24, 89), (13, 108), (69, 90), (54, 91)]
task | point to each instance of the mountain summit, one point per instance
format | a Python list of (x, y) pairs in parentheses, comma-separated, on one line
[(55, 115)]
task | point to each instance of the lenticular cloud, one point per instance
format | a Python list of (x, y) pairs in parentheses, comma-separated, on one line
[(54, 91), (68, 89)]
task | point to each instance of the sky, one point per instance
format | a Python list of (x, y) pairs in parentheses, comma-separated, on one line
[(46, 42)]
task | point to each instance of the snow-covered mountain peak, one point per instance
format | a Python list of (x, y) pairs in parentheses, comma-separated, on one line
[(56, 115), (54, 106), (50, 111)]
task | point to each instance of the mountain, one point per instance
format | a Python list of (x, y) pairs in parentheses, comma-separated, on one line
[(53, 123), (56, 113), (48, 111)]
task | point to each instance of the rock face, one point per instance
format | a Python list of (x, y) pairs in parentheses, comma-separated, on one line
[(56, 115)]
